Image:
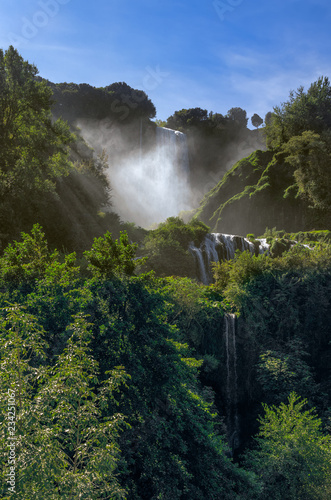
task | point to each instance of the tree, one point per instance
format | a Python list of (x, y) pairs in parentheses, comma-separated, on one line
[(33, 148), (26, 261), (166, 247), (187, 118), (303, 111), (239, 116), (282, 372), (132, 102), (310, 155), (108, 257), (268, 118), (293, 457), (256, 120), (64, 446)]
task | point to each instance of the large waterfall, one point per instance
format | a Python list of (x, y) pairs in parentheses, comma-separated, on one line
[(172, 144), (153, 182), (219, 247)]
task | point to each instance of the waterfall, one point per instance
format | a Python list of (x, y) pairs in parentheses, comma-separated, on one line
[(264, 247), (173, 144), (231, 382), (220, 247), (152, 183), (201, 265), (182, 152), (141, 140)]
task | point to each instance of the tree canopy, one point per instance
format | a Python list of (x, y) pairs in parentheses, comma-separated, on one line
[(293, 456), (256, 120), (33, 148), (310, 110), (301, 128)]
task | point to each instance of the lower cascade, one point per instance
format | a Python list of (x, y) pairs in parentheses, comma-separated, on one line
[(231, 382), (218, 247)]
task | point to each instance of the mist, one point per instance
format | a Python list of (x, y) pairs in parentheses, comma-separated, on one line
[(149, 171), (149, 182)]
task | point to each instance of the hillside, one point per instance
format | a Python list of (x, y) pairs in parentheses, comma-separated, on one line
[(286, 186), (250, 197)]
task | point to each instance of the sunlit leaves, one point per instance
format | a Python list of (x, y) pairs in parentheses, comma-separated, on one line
[(293, 457), (108, 257)]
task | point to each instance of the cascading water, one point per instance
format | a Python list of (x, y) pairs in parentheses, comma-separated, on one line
[(153, 182), (219, 247), (264, 246), (182, 152), (233, 428), (174, 143)]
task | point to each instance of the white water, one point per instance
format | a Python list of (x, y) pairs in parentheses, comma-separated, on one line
[(264, 247), (219, 247), (152, 185)]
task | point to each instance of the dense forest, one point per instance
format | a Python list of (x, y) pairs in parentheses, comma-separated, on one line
[(122, 375)]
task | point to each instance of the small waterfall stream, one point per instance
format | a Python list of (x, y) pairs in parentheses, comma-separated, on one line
[(218, 247), (233, 428)]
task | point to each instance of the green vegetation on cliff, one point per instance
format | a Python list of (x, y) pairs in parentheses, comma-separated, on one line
[(287, 186)]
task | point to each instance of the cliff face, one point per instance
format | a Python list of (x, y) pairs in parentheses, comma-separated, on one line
[(259, 192)]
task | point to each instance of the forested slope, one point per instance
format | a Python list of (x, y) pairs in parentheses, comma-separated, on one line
[(287, 186)]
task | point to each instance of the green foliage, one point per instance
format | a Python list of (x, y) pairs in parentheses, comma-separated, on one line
[(256, 120), (304, 111), (236, 185), (293, 457), (73, 436), (284, 307), (167, 246), (310, 155), (311, 237), (184, 118), (290, 187), (239, 116), (231, 276), (63, 446), (33, 148), (160, 123), (22, 263), (279, 246), (196, 313), (47, 174), (280, 373), (117, 101), (108, 257)]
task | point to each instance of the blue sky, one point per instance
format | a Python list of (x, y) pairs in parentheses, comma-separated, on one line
[(184, 54)]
